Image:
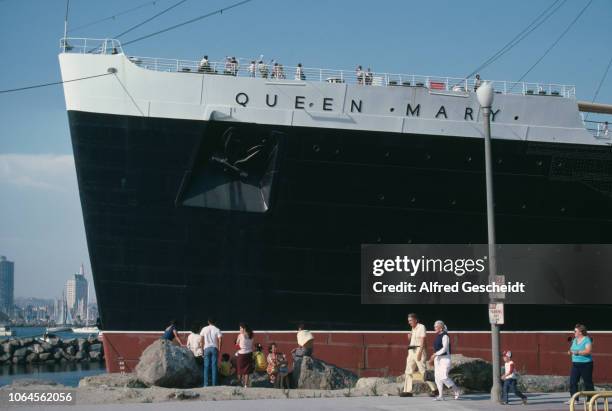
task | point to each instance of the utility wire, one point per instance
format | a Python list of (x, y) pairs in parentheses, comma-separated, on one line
[(114, 16), (150, 18), (601, 82), (535, 23), (567, 29), (219, 11), (51, 84)]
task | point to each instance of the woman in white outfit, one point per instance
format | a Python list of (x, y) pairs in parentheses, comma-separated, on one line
[(442, 361)]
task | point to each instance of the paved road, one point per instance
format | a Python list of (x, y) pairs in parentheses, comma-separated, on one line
[(538, 402)]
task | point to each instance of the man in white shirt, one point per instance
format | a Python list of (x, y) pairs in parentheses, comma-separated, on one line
[(417, 355), (212, 344)]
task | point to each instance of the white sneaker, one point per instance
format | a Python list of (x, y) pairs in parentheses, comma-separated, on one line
[(457, 394), (568, 402), (439, 399)]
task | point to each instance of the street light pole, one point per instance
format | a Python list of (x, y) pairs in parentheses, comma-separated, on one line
[(485, 98)]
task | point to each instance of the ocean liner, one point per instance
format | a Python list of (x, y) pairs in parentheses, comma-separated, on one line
[(246, 192)]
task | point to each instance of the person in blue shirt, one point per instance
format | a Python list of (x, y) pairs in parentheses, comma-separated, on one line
[(171, 334), (582, 361)]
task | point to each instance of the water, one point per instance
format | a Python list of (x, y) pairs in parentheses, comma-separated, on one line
[(67, 374), (26, 332)]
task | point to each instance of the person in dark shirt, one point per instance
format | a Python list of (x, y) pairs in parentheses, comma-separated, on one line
[(171, 334)]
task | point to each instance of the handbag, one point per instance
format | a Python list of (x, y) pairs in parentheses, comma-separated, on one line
[(429, 376)]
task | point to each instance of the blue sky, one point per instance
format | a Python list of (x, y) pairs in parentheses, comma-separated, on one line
[(41, 226)]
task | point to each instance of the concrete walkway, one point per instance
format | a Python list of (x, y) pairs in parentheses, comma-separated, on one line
[(537, 402)]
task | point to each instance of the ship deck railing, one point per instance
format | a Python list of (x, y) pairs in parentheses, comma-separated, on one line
[(267, 70)]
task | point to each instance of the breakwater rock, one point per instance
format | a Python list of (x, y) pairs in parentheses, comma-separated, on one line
[(54, 350)]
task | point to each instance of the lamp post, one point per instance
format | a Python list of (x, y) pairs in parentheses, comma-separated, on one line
[(485, 99)]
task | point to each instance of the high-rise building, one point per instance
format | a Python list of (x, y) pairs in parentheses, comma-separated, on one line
[(76, 295), (7, 286)]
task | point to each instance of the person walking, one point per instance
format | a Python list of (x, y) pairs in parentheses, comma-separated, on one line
[(416, 356), (441, 359), (582, 360), (245, 354), (212, 337), (509, 379)]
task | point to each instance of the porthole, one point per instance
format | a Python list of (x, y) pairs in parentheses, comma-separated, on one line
[(515, 117), (316, 148), (392, 109)]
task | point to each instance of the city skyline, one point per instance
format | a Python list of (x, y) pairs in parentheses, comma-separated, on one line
[(6, 264)]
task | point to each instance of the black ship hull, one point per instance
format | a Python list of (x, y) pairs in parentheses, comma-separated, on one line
[(260, 223)]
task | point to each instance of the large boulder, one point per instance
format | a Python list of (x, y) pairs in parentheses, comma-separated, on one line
[(311, 373), (167, 365), (471, 374)]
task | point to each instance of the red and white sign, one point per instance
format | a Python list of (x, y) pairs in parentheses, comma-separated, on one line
[(496, 313)]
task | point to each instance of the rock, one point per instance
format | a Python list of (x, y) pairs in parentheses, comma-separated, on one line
[(33, 357), (83, 344), (18, 360), (112, 380), (20, 352), (44, 356), (168, 365), (95, 347), (24, 342), (46, 346), (95, 355), (80, 355), (37, 348), (59, 353), (543, 383), (71, 350), (8, 348), (311, 373), (378, 386), (369, 382), (183, 395), (50, 361), (470, 374), (260, 380), (69, 342), (15, 343)]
